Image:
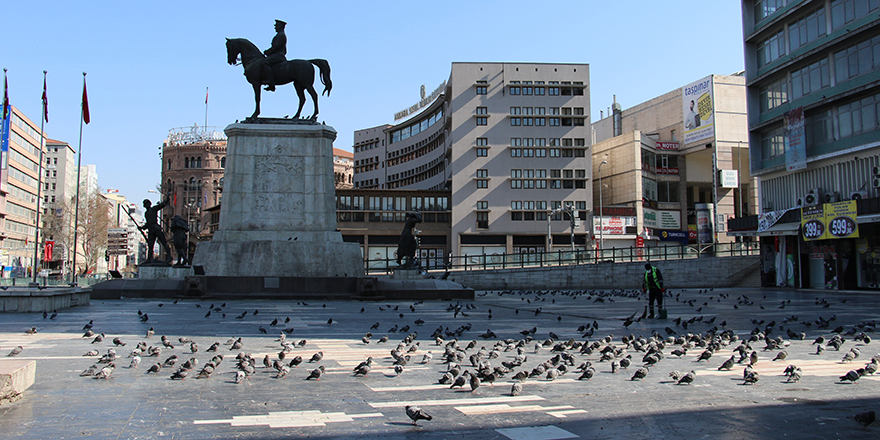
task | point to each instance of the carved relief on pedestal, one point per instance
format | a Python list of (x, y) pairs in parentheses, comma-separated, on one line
[(273, 173)]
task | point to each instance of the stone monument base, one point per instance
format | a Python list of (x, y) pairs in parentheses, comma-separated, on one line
[(268, 254), (278, 217)]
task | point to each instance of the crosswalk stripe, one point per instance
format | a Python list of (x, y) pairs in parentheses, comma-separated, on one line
[(565, 413), (505, 408), (449, 402)]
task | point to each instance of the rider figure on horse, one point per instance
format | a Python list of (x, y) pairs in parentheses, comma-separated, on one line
[(275, 54)]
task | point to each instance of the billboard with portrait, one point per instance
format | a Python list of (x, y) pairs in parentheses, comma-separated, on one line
[(698, 109)]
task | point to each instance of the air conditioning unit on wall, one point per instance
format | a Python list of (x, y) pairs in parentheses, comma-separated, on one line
[(858, 195), (814, 197), (832, 197)]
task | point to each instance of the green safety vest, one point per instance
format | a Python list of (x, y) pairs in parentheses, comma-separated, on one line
[(653, 274)]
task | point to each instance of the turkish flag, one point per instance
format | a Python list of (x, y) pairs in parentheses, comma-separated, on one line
[(47, 252)]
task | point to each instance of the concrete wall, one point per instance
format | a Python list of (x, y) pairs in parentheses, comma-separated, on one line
[(694, 273), (30, 300)]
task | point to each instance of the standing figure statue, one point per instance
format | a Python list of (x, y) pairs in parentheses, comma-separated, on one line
[(275, 54), (179, 228), (406, 249), (154, 231)]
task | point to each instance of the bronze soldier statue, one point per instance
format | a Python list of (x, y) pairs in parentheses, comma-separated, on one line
[(275, 54), (154, 231)]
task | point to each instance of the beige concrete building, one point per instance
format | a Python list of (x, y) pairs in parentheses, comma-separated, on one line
[(659, 164), (343, 168), (511, 142)]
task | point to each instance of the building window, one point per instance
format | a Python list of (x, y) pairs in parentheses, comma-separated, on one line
[(540, 122), (765, 8), (526, 90), (482, 120), (772, 143), (810, 79), (222, 162), (807, 29), (516, 210), (770, 49), (539, 91), (186, 162), (540, 152), (482, 220), (553, 91), (515, 122), (857, 59), (516, 152), (527, 122), (481, 90), (858, 116), (528, 152), (482, 152), (845, 11), (514, 90), (773, 95), (482, 111), (818, 128), (482, 142), (555, 152), (554, 122)]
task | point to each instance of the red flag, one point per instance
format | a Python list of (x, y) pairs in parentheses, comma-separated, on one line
[(85, 103), (47, 252), (45, 100), (206, 95)]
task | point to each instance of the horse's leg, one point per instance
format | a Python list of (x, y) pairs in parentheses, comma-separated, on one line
[(302, 99), (256, 85), (314, 100)]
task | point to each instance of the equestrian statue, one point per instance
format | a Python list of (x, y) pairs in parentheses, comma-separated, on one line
[(272, 68)]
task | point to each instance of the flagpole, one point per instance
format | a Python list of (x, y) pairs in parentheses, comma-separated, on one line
[(78, 170), (39, 180), (206, 109)]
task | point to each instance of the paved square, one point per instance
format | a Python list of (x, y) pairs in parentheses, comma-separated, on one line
[(132, 403)]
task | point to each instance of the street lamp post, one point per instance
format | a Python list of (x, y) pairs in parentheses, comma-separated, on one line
[(601, 242)]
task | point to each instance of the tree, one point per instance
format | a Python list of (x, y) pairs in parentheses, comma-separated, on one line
[(94, 222)]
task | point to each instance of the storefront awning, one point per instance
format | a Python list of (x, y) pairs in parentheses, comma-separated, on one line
[(868, 218), (781, 229)]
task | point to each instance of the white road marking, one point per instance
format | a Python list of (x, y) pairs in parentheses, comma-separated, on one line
[(290, 419), (450, 402), (505, 408)]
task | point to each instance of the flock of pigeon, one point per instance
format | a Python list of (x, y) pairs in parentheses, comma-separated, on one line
[(465, 362)]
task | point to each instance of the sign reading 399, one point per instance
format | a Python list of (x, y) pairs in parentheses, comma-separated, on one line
[(841, 227), (813, 229)]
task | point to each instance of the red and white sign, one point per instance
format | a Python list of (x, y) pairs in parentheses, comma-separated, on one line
[(666, 171), (671, 146), (640, 241), (613, 225)]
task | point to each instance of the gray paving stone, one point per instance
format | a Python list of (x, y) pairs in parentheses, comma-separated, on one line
[(131, 404)]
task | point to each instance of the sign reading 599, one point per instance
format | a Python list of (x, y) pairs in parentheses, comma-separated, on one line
[(841, 227), (813, 229)]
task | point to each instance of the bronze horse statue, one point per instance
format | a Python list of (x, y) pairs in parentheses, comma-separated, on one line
[(406, 248), (299, 72)]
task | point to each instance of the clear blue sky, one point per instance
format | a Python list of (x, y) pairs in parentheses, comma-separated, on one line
[(149, 63)]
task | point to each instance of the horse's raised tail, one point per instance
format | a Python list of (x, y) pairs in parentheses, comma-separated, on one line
[(324, 67)]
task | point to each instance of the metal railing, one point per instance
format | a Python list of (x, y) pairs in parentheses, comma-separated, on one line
[(579, 256), (54, 281)]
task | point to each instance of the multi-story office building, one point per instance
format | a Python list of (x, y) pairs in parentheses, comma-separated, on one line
[(657, 182), (59, 203), (21, 184), (193, 165), (813, 69), (511, 143)]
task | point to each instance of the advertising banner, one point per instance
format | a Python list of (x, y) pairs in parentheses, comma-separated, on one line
[(813, 222), (662, 219), (840, 220), (679, 236), (692, 232), (698, 109), (795, 140), (729, 179), (613, 225), (705, 232)]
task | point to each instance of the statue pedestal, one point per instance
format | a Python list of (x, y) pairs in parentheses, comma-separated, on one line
[(278, 215)]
